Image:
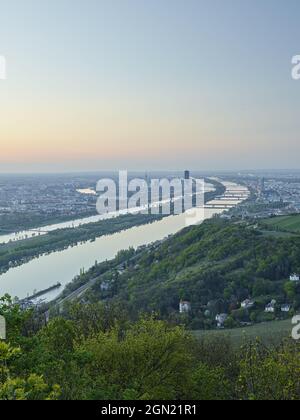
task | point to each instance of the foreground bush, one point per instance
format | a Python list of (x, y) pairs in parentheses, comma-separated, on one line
[(95, 352)]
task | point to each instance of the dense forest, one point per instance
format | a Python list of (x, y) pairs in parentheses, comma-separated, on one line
[(95, 352)]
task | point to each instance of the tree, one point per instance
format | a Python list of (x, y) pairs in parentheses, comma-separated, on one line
[(148, 361), (210, 384), (290, 290), (15, 318), (262, 287), (33, 388), (270, 374), (230, 323), (16, 388)]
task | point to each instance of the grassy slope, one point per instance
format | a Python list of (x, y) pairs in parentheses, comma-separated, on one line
[(289, 223), (269, 332)]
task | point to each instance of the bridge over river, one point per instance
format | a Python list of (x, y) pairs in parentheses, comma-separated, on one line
[(219, 206)]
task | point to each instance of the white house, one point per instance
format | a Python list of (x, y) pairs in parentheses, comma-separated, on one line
[(270, 308), (221, 318), (247, 304), (295, 277), (184, 306), (286, 308)]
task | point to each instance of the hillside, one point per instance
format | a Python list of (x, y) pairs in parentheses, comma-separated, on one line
[(284, 223), (269, 333), (215, 267), (95, 352), (103, 349)]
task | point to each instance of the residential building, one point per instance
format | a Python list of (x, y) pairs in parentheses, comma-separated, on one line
[(286, 308), (184, 306), (270, 308), (247, 304), (221, 318), (295, 277)]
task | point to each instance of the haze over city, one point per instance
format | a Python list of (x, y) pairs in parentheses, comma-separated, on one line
[(158, 85)]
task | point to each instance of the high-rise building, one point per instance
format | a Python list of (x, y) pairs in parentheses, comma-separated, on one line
[(261, 186), (186, 174)]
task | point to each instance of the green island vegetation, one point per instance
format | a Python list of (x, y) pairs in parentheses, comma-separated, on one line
[(19, 221), (215, 267), (97, 352), (16, 253)]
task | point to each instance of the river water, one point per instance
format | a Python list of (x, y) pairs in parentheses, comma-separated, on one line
[(63, 266), (43, 230)]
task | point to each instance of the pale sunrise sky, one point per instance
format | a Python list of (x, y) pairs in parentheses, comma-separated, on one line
[(155, 84)]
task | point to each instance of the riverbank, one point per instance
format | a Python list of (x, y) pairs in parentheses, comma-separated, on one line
[(66, 264), (13, 255), (41, 293), (40, 227), (52, 238)]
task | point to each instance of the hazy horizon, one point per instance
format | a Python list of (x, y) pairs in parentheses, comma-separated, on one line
[(209, 172), (96, 85)]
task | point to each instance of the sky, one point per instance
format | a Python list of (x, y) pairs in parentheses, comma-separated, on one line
[(149, 84)]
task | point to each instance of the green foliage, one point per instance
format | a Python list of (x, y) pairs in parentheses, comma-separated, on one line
[(150, 361), (290, 290), (7, 353), (230, 323), (15, 318), (33, 388), (116, 358), (215, 266), (263, 287), (210, 383), (17, 253), (284, 223), (270, 374), (16, 388)]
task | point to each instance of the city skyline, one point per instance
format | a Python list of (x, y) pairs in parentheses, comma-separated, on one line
[(104, 85)]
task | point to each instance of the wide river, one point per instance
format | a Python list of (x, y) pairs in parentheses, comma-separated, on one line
[(63, 266)]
